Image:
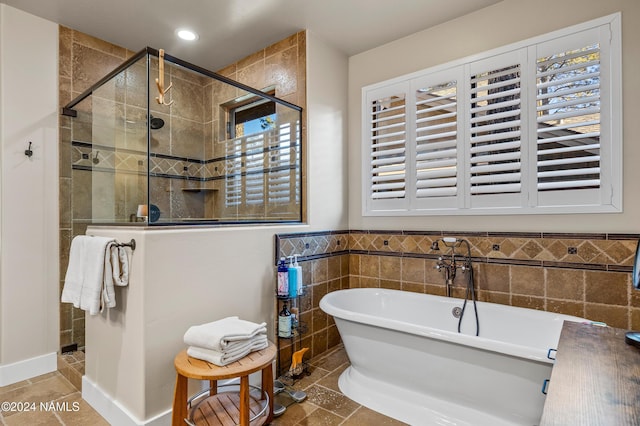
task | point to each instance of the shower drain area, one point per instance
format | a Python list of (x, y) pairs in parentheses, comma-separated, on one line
[(456, 312)]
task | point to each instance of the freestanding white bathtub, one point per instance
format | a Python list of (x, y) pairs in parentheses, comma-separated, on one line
[(409, 362)]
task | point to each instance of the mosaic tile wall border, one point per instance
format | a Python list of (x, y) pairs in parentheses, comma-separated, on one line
[(586, 251), (162, 165)]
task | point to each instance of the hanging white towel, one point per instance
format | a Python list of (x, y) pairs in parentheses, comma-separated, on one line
[(116, 273), (217, 335), (90, 275), (223, 358)]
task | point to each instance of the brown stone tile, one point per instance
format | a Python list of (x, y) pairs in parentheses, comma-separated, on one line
[(565, 283), (319, 343), (330, 381), (333, 285), (392, 285), (315, 373), (414, 287), (565, 307), (492, 277), (98, 44), (319, 270), (318, 320), (494, 297), (90, 65), (613, 316), (321, 417), (370, 266), (51, 388), (332, 360), (364, 416), (527, 280), (333, 337), (413, 270), (334, 267), (331, 400), (318, 291), (32, 418), (390, 268), (354, 264), (368, 282), (295, 414), (530, 302), (283, 44), (606, 287)]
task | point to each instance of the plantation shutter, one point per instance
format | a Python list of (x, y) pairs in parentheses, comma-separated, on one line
[(438, 158), (254, 170), (386, 148), (496, 110), (569, 116), (233, 172), (281, 165)]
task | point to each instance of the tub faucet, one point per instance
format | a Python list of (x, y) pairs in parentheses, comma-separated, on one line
[(448, 262)]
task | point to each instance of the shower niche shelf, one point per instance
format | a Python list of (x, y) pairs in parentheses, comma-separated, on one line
[(198, 189)]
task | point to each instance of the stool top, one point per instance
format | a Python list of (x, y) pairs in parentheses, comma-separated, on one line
[(202, 370)]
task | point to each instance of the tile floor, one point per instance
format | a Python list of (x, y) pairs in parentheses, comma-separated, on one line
[(63, 404)]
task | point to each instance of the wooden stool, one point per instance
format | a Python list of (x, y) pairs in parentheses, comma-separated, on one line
[(224, 408)]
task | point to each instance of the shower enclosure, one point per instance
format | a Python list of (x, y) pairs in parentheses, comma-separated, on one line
[(165, 142)]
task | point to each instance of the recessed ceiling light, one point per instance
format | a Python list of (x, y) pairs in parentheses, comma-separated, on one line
[(187, 35)]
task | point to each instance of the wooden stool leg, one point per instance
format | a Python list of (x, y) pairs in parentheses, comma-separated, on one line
[(267, 386), (244, 401), (179, 401), (213, 386)]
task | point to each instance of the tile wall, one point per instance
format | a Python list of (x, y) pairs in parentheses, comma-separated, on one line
[(588, 275)]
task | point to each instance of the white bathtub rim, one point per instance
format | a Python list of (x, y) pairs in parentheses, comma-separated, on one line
[(534, 354)]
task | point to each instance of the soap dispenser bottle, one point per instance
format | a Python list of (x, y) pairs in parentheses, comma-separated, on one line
[(298, 269), (293, 279), (283, 279), (284, 322)]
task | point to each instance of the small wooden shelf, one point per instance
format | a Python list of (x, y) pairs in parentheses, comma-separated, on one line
[(224, 409)]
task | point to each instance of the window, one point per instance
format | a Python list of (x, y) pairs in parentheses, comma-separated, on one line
[(533, 127)]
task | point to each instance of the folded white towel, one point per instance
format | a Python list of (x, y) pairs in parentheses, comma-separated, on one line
[(85, 273), (224, 358), (218, 335)]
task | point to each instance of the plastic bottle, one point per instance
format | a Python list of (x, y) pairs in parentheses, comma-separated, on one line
[(284, 322), (293, 279), (283, 279), (299, 289)]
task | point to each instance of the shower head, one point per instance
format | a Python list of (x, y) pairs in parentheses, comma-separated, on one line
[(155, 122)]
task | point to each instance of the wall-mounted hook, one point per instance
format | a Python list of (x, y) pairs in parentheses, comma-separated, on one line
[(28, 152)]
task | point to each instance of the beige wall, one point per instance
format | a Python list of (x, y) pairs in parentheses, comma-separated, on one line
[(29, 196), (503, 23)]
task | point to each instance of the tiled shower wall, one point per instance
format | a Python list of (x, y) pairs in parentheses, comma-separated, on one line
[(83, 61), (587, 275)]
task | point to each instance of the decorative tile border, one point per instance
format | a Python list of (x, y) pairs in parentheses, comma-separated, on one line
[(589, 251)]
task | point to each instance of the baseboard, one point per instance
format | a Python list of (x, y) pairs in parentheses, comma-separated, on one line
[(28, 368), (113, 412)]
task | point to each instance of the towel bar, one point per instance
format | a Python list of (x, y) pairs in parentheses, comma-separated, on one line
[(131, 244)]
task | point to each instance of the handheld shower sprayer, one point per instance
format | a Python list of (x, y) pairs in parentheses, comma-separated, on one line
[(449, 263)]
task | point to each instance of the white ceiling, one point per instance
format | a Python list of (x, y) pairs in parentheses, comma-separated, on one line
[(229, 30)]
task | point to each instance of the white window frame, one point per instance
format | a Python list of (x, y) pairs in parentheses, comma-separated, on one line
[(607, 198)]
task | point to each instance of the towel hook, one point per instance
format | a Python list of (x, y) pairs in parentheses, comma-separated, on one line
[(160, 80), (28, 152)]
